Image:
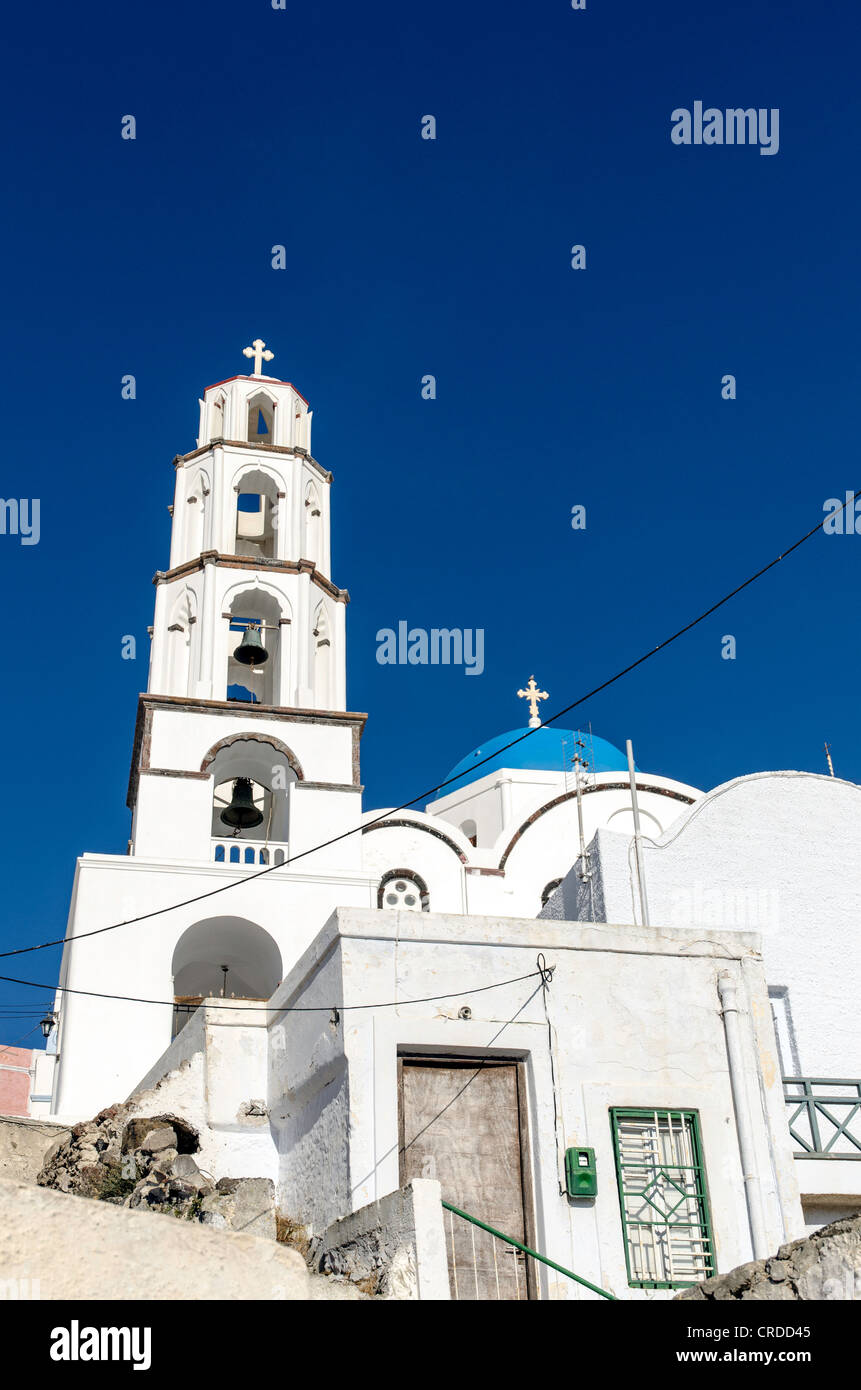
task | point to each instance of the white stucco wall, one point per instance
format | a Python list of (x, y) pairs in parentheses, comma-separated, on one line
[(778, 853), (106, 1045), (208, 1076)]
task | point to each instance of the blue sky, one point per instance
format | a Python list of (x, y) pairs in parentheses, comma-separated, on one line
[(406, 257)]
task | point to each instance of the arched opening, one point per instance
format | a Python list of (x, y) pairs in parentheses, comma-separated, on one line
[(403, 890), (250, 801), (470, 830), (227, 957), (261, 419), (256, 515), (312, 548), (255, 627)]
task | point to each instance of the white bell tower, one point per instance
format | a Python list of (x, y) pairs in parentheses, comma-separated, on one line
[(246, 760), (249, 628), (250, 544)]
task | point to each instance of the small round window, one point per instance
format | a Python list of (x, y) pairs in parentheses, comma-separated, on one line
[(403, 893)]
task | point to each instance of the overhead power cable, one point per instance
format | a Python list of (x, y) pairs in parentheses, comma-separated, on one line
[(274, 1008), (434, 791)]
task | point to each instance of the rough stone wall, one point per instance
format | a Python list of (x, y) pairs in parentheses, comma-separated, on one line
[(393, 1248), (825, 1265), (23, 1145)]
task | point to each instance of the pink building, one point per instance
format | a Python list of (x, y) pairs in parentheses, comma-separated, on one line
[(17, 1067)]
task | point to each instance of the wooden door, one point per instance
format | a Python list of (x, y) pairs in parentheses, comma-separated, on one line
[(463, 1122)]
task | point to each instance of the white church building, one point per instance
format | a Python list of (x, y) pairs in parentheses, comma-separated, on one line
[(612, 1016)]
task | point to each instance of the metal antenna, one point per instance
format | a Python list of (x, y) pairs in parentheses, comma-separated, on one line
[(828, 759), (638, 839), (579, 762)]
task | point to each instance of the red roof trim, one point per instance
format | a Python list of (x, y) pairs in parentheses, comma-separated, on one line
[(227, 380)]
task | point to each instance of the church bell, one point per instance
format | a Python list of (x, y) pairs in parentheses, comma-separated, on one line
[(251, 651), (242, 814)]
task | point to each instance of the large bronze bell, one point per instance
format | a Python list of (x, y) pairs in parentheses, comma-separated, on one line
[(242, 814), (251, 651)]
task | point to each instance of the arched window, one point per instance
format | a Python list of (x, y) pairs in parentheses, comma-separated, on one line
[(549, 890), (261, 419), (403, 890)]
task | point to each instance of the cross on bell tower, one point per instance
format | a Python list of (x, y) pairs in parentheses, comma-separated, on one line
[(260, 352)]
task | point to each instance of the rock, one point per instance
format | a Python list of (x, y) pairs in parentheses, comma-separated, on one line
[(242, 1204), (163, 1162), (212, 1217), (181, 1188), (823, 1265), (184, 1166), (159, 1139), (255, 1109)]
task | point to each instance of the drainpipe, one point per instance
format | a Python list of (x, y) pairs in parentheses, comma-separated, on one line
[(729, 1007)]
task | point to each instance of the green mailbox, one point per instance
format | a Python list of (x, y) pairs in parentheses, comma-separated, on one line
[(581, 1177)]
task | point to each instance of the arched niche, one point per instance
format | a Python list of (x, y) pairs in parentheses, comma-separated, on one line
[(182, 636), (217, 417), (271, 767), (312, 546), (253, 961), (195, 515), (324, 658), (257, 684), (256, 522)]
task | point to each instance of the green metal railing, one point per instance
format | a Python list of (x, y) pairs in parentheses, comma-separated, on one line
[(533, 1254), (816, 1104)]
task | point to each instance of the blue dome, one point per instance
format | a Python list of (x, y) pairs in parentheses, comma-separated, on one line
[(547, 749)]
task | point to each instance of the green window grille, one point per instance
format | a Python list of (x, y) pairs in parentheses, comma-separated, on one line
[(663, 1198)]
